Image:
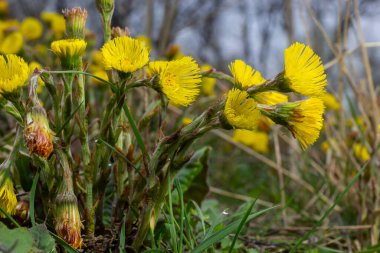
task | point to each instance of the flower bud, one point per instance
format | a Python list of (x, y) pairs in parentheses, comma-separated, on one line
[(37, 133), (105, 7), (118, 32), (75, 22), (67, 219), (8, 200)]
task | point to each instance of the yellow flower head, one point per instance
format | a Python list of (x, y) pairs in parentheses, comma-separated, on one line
[(3, 6), (258, 141), (56, 21), (330, 102), (155, 68), (145, 40), (8, 200), (102, 74), (361, 152), (240, 110), (12, 44), (245, 76), (125, 54), (305, 120), (304, 72), (179, 80), (186, 120), (69, 51), (14, 73), (31, 28), (208, 83)]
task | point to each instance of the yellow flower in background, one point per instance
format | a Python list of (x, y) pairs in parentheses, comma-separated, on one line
[(174, 52), (145, 40), (361, 152), (208, 83), (306, 121), (102, 74), (57, 23), (179, 80), (270, 98), (330, 102), (187, 120), (304, 72), (8, 200), (155, 68), (240, 110), (3, 6), (125, 54), (69, 47), (258, 141), (13, 73), (32, 66), (31, 28), (12, 44), (97, 57)]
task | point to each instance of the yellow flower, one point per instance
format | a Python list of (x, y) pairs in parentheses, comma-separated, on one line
[(125, 54), (8, 200), (145, 40), (361, 152), (186, 120), (330, 102), (97, 58), (179, 80), (304, 72), (14, 73), (102, 74), (240, 110), (155, 68), (174, 52), (245, 76), (258, 141), (12, 44), (208, 83), (3, 6), (306, 121), (31, 28), (69, 51), (32, 66), (56, 21)]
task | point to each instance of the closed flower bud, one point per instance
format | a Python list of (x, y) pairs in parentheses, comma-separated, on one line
[(75, 22), (37, 133), (67, 219), (118, 32)]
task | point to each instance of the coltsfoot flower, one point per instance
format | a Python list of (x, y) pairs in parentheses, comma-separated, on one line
[(245, 76), (256, 140), (12, 44), (125, 54), (240, 110), (304, 72), (304, 119), (208, 83), (69, 51), (31, 28), (8, 200), (14, 73), (179, 80), (361, 152), (67, 219), (38, 135), (330, 102), (56, 21)]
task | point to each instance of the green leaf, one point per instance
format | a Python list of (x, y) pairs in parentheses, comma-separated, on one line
[(11, 109), (18, 240), (32, 198), (193, 177), (42, 238), (23, 164)]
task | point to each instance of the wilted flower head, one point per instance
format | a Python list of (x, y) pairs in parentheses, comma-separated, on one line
[(8, 200), (179, 79), (67, 219), (13, 73), (119, 32), (125, 54), (37, 133), (31, 28), (240, 110), (69, 51), (304, 119), (304, 72)]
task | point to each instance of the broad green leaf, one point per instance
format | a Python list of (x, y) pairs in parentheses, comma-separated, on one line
[(42, 238), (18, 240)]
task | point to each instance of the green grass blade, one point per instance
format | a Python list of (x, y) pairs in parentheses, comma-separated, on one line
[(33, 197), (243, 220), (230, 228), (122, 237), (63, 243), (327, 213), (135, 130), (173, 232), (81, 72), (10, 217), (182, 214), (68, 119)]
